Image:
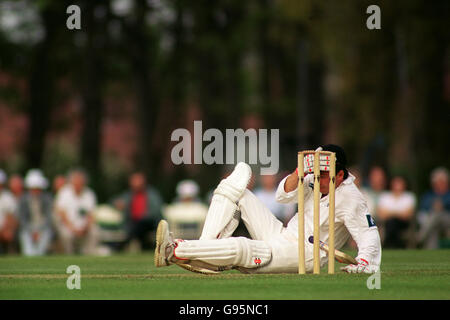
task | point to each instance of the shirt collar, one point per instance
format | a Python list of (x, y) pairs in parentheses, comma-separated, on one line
[(350, 179)]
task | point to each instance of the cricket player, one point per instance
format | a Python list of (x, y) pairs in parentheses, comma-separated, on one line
[(272, 247)]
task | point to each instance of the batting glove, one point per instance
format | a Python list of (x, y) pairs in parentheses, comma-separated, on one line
[(362, 267), (308, 162)]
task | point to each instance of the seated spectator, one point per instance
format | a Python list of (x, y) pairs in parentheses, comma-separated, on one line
[(187, 214), (266, 193), (8, 219), (35, 216), (357, 174), (376, 186), (141, 206), (396, 210), (76, 225), (16, 186), (58, 182), (434, 214)]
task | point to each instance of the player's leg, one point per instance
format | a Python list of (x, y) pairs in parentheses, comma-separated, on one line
[(219, 254), (284, 250), (260, 222), (223, 213), (239, 252)]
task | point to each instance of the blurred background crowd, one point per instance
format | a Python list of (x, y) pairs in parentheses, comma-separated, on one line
[(107, 97), (37, 218)]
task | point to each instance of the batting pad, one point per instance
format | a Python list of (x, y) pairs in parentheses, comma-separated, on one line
[(222, 218), (240, 251), (235, 184)]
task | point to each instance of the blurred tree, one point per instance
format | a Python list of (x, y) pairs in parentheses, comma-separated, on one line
[(309, 68), (94, 23), (41, 81)]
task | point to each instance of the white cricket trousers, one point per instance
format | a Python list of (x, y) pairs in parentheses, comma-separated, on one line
[(262, 225)]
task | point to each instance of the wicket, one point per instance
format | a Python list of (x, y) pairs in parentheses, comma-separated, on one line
[(331, 156)]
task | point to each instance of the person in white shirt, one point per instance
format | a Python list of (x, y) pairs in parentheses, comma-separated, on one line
[(376, 187), (8, 216), (272, 247), (187, 213), (74, 206), (395, 210)]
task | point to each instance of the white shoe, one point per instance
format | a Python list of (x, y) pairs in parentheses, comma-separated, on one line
[(234, 185), (164, 252), (164, 245)]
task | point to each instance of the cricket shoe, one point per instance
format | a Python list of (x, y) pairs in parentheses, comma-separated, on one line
[(165, 252), (165, 245), (234, 185)]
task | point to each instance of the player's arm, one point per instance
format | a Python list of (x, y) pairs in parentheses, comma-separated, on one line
[(291, 182), (287, 189), (284, 196), (365, 233)]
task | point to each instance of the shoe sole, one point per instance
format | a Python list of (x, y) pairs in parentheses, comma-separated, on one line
[(161, 230)]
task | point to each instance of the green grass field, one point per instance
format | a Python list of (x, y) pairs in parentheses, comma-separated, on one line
[(406, 274)]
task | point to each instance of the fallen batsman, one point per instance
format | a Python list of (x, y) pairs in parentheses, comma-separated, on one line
[(273, 248)]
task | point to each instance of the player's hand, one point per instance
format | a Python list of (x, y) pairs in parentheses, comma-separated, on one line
[(308, 162), (363, 266)]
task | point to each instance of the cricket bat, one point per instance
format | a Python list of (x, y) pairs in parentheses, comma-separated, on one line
[(338, 255)]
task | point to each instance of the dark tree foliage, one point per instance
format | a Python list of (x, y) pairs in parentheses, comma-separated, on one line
[(309, 68)]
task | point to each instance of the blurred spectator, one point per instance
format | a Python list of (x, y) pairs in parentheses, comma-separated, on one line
[(35, 215), (58, 182), (74, 206), (357, 174), (266, 193), (16, 186), (396, 210), (17, 190), (187, 214), (141, 206), (377, 185), (434, 215), (8, 220)]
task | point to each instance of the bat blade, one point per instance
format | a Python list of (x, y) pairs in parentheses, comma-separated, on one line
[(338, 255)]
